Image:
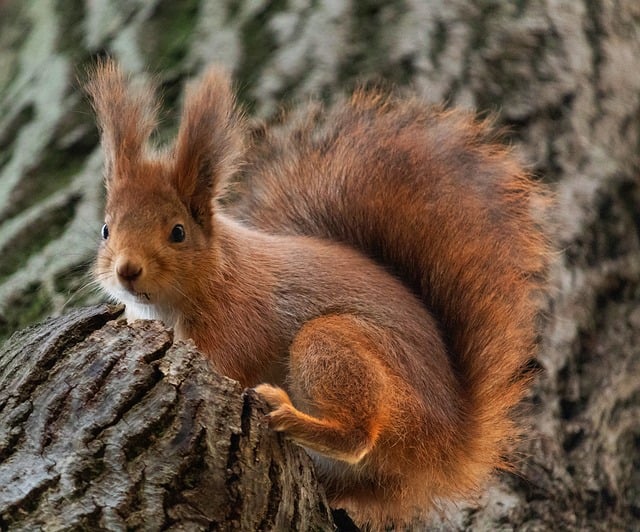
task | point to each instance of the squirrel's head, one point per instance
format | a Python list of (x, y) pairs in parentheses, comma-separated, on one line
[(159, 210)]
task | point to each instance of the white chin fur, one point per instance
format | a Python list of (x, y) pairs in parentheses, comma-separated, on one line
[(138, 309)]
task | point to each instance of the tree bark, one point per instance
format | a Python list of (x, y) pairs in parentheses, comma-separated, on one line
[(563, 76), (109, 426)]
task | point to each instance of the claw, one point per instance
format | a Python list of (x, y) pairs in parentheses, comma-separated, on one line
[(279, 402), (273, 395)]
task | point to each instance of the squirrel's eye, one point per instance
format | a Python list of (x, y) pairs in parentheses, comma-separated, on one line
[(177, 233), (105, 232)]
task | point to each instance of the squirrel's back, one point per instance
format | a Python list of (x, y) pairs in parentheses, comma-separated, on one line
[(433, 196)]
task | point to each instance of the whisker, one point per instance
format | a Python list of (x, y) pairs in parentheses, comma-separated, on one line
[(173, 287), (88, 286)]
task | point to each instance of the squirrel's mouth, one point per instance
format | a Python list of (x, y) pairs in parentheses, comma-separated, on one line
[(142, 297), (128, 296)]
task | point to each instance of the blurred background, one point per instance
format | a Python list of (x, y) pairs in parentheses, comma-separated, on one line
[(563, 77)]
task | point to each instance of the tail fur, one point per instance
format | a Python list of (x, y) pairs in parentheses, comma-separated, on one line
[(433, 196)]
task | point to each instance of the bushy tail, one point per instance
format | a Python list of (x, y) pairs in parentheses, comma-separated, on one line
[(432, 195)]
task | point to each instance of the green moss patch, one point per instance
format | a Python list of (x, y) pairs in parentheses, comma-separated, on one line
[(71, 14), (32, 305), (166, 37), (62, 160), (259, 44), (33, 238)]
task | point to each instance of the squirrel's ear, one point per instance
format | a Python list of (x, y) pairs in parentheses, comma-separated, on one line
[(126, 116), (209, 144)]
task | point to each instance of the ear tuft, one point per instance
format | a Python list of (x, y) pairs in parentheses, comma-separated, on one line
[(210, 142), (126, 115)]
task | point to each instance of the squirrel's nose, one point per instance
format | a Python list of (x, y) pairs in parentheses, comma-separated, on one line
[(128, 270)]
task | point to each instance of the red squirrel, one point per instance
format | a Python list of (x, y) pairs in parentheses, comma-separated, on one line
[(376, 279)]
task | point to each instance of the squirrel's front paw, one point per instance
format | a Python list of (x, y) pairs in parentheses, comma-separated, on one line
[(280, 403)]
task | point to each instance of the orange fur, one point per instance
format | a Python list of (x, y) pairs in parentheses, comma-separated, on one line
[(379, 272)]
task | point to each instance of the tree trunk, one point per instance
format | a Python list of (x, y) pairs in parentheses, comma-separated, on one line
[(106, 426), (563, 76)]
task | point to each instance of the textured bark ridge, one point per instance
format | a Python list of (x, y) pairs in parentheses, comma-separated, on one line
[(106, 426)]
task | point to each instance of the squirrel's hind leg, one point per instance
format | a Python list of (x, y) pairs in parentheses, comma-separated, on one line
[(339, 387)]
